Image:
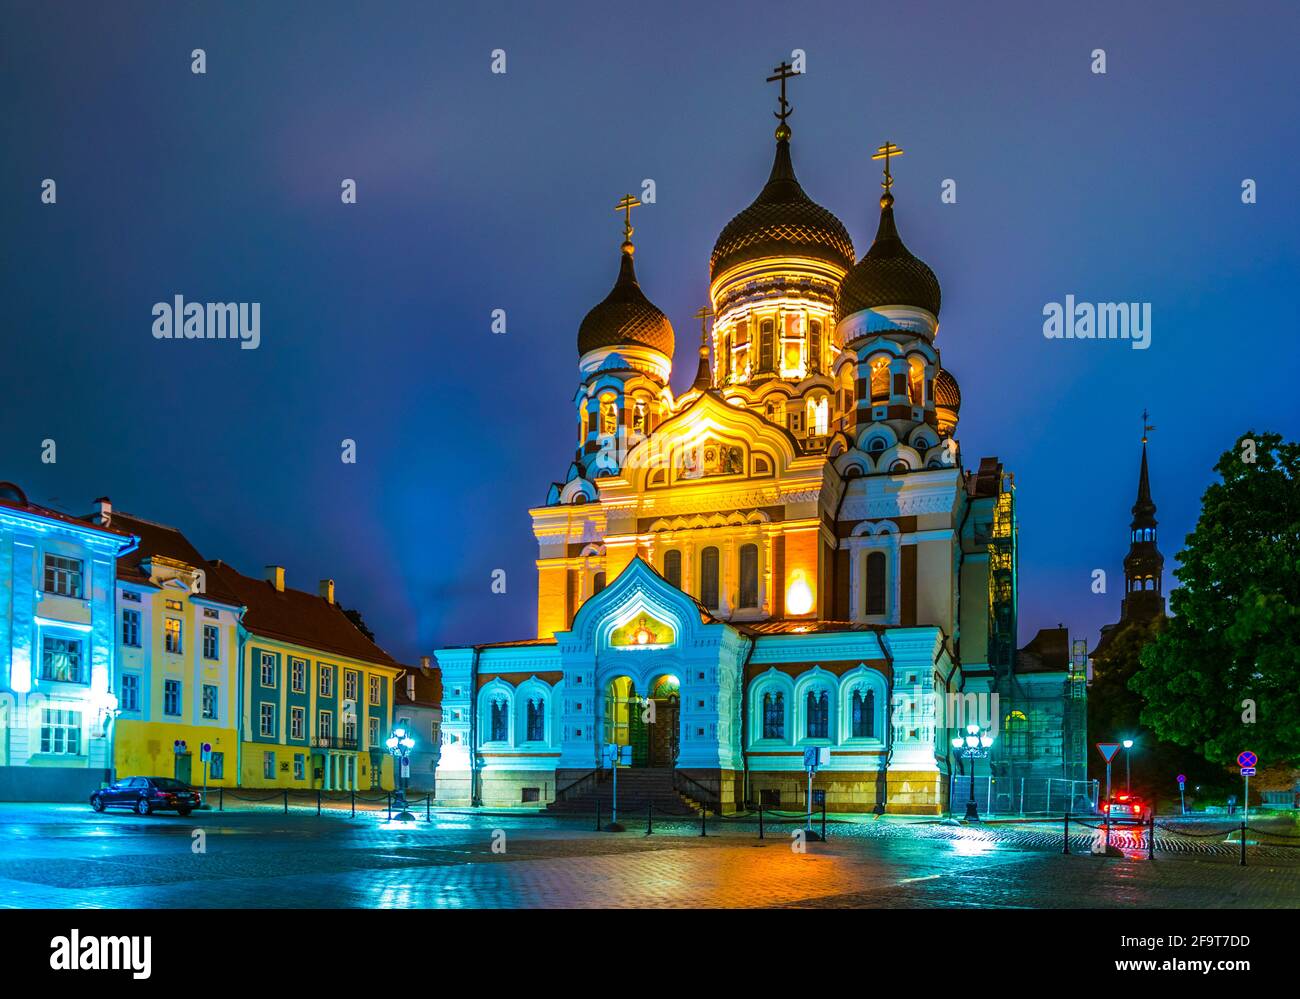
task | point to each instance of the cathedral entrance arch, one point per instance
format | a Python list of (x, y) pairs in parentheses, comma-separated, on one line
[(664, 728), (649, 722)]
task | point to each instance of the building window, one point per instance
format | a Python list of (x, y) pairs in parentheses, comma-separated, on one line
[(61, 660), (351, 678), (819, 715), (749, 575), (326, 681), (815, 346), (875, 583), (880, 381), (536, 726), (217, 766), (267, 727), (531, 794), (376, 691), (130, 691), (774, 715), (173, 604), (770, 797), (766, 333), (709, 578), (297, 722), (374, 732), (349, 730), (60, 732), (298, 675), (131, 628), (130, 596), (819, 797), (673, 567), (210, 613), (63, 576), (268, 764), (299, 766), (209, 701), (864, 714), (210, 646), (172, 697), (268, 669), (597, 583), (499, 727), (324, 725), (172, 635)]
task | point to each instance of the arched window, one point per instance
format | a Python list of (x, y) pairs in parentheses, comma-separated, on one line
[(819, 715), (597, 583), (608, 417), (673, 567), (536, 722), (639, 416), (726, 357), (774, 715), (916, 382), (815, 346), (875, 583), (876, 445), (819, 412), (749, 575), (880, 380), (709, 578), (499, 727), (864, 714), (766, 334)]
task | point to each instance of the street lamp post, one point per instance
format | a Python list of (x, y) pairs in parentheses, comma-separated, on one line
[(973, 746), (1128, 770), (400, 745)]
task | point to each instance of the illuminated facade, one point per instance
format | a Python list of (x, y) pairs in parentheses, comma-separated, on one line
[(789, 554), (57, 650)]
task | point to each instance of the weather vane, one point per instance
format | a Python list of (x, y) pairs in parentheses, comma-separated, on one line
[(625, 205), (883, 153), (783, 73), (1146, 427)]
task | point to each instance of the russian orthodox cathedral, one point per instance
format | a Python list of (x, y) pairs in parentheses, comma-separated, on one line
[(791, 554)]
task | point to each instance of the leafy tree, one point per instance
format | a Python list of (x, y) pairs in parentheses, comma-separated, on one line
[(358, 621), (1235, 633)]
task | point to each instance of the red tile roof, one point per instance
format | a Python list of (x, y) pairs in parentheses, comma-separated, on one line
[(298, 617), (167, 542)]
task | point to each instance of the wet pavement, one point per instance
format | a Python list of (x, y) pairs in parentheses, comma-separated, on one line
[(65, 856)]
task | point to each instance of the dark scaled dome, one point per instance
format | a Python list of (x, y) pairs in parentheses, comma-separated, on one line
[(888, 274), (946, 392), (782, 220), (626, 317)]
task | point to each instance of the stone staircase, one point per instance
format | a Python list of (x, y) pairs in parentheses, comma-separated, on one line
[(638, 787)]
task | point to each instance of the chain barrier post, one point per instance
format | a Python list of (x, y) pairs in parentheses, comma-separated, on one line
[(760, 820), (1243, 842), (354, 803), (650, 819), (823, 820), (1151, 834), (221, 799), (318, 794), (428, 808), (704, 812), (1065, 847), (597, 815), (286, 801)]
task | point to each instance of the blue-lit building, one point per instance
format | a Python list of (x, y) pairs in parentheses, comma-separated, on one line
[(57, 647)]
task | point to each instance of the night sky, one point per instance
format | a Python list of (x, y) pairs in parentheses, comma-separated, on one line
[(479, 191)]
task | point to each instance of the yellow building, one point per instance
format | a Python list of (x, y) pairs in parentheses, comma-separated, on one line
[(177, 659), (316, 697)]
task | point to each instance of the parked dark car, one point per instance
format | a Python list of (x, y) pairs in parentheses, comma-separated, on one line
[(146, 795), (1125, 807)]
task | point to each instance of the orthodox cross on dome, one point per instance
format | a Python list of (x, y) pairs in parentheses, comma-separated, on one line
[(1146, 427), (625, 205), (783, 72), (703, 314), (884, 153)]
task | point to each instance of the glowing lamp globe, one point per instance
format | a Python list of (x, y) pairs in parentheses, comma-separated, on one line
[(799, 596)]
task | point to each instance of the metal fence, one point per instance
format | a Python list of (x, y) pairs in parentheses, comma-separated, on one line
[(1024, 795)]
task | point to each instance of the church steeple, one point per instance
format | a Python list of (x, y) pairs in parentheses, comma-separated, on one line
[(1144, 565)]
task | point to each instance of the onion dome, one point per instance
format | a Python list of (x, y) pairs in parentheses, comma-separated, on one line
[(888, 274), (782, 221), (946, 392), (625, 317)]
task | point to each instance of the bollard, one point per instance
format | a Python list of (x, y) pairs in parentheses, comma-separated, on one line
[(703, 815), (428, 808), (1065, 848), (760, 820), (1243, 842), (390, 806), (597, 815), (823, 820), (221, 799), (286, 801), (318, 803), (354, 803), (650, 820), (1151, 834)]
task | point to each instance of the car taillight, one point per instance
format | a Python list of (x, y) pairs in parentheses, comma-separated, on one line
[(1137, 809), (1105, 806)]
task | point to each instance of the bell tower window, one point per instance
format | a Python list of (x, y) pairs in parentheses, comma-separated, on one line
[(766, 334), (815, 346), (875, 583), (709, 578)]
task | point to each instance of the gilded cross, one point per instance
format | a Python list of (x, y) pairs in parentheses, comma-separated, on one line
[(625, 205), (783, 73), (884, 153), (703, 314), (1146, 427)]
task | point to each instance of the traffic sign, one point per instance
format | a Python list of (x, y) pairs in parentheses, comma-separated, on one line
[(205, 752), (1248, 771), (1247, 759), (1108, 750), (1182, 778)]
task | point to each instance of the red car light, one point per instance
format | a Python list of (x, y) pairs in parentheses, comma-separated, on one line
[(1105, 806), (1137, 809)]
